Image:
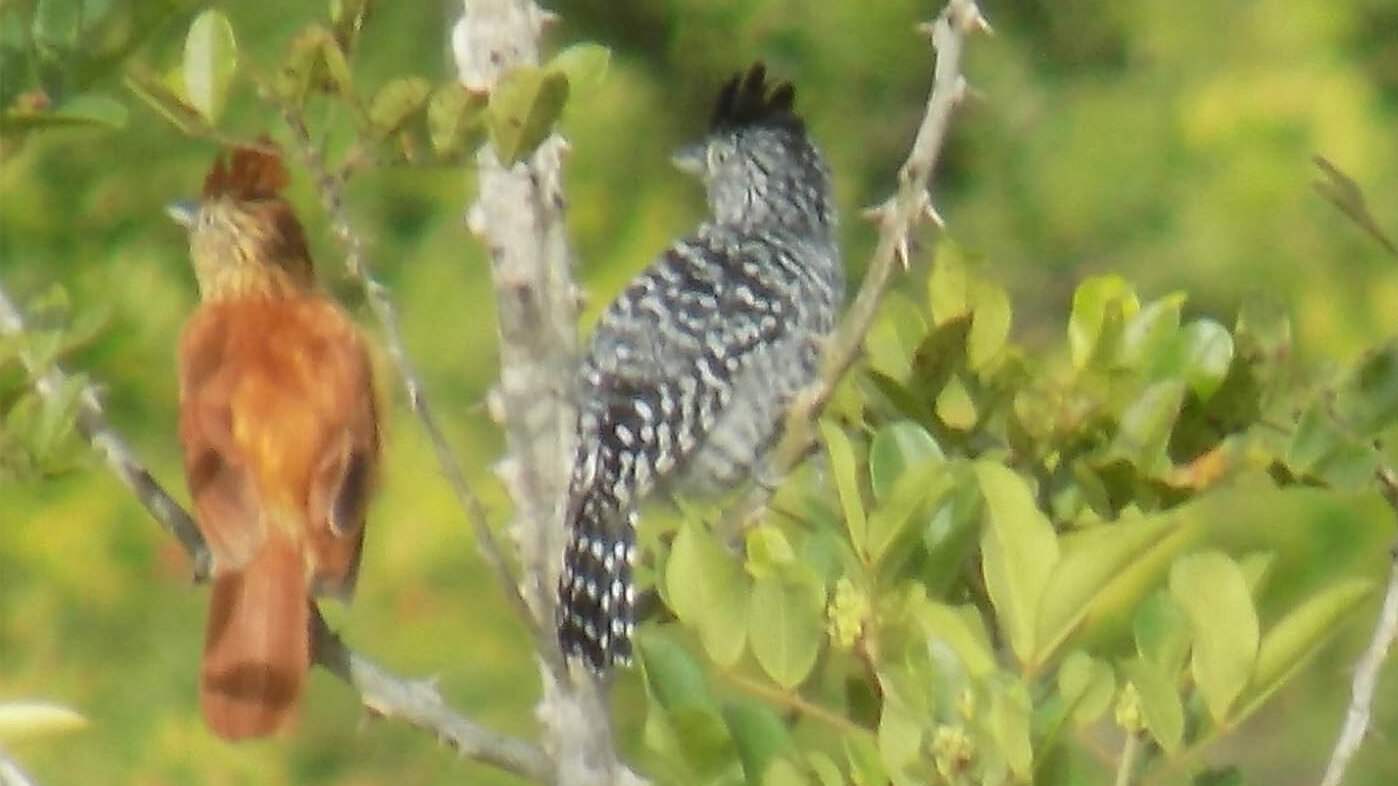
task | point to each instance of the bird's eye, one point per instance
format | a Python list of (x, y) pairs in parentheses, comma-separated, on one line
[(719, 155)]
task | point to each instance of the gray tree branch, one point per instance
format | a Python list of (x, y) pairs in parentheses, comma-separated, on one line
[(415, 702), (1366, 671), (519, 215)]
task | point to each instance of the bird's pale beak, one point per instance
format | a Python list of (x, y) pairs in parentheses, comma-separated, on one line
[(183, 211), (689, 158)]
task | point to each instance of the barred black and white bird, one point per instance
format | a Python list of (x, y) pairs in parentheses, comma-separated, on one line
[(690, 370)]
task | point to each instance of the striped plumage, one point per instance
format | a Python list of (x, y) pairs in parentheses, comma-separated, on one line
[(690, 370)]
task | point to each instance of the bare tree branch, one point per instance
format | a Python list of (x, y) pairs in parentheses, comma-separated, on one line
[(49, 384), (1366, 671), (330, 187), (415, 702), (897, 216), (11, 774), (520, 217)]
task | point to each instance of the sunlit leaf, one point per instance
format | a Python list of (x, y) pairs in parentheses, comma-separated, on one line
[(1211, 589), (584, 64), (1086, 685), (846, 475), (1090, 561), (1019, 550), (1297, 636), (1101, 306), (1144, 431), (900, 735), (23, 720), (955, 407), (1208, 352), (1159, 702), (990, 325), (523, 109), (894, 448), (397, 102), (706, 589), (455, 118), (1161, 632), (970, 642), (785, 630), (210, 61)]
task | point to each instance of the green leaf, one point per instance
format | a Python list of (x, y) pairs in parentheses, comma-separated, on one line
[(948, 625), (315, 62), (210, 60), (81, 110), (759, 736), (769, 552), (1151, 331), (948, 288), (955, 407), (1212, 591), (155, 91), (396, 103), (1144, 432), (894, 448), (1101, 306), (842, 465), (673, 679), (1370, 399), (900, 735), (523, 109), (706, 589), (825, 768), (1086, 685), (1010, 711), (783, 772), (1161, 632), (1159, 702), (56, 25), (455, 116), (1019, 550), (1208, 353), (865, 766), (584, 64), (785, 630), (990, 327), (23, 720), (898, 518), (1298, 635), (1091, 560)]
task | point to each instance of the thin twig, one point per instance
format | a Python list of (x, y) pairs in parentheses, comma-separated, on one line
[(897, 216), (413, 701), (50, 383), (420, 704), (11, 774), (797, 703), (1127, 766), (1366, 671), (330, 188)]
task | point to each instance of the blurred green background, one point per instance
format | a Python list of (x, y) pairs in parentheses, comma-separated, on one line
[(1166, 140)]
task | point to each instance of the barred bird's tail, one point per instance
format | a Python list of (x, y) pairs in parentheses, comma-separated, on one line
[(595, 593)]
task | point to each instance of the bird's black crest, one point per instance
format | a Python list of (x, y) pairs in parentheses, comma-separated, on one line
[(745, 101)]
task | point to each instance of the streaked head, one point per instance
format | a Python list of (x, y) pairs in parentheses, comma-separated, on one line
[(243, 237), (756, 161)]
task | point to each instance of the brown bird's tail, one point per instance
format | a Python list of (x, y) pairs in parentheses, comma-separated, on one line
[(257, 646)]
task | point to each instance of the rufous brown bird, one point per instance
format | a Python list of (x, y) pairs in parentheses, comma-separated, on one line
[(279, 427)]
